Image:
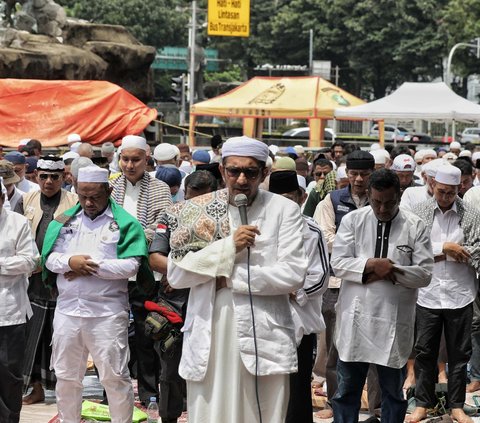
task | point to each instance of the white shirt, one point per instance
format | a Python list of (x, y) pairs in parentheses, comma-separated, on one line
[(375, 321), (130, 201), (413, 196), (17, 194), (27, 186), (453, 284), (18, 259), (105, 293)]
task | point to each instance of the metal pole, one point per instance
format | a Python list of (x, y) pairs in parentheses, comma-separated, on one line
[(310, 53), (337, 75), (450, 57), (193, 31), (182, 103)]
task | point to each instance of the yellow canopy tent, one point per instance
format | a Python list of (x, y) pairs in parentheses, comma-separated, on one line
[(304, 97)]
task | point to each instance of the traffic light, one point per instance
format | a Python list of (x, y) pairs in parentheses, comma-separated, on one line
[(179, 89)]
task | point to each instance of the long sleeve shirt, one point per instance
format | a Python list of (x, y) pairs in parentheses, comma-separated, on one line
[(454, 285), (18, 258), (375, 321), (104, 293)]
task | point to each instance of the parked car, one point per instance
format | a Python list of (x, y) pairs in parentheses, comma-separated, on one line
[(391, 132), (470, 135), (304, 132)]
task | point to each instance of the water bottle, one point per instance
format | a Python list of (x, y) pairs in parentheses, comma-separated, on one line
[(152, 411)]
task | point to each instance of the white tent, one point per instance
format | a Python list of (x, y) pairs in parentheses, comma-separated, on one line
[(416, 100)]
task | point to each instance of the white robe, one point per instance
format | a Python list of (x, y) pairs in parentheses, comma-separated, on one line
[(277, 268), (375, 321)]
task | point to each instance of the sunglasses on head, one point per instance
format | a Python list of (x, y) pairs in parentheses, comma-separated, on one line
[(52, 176), (249, 172)]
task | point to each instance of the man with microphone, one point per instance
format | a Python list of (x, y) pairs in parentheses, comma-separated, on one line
[(239, 341)]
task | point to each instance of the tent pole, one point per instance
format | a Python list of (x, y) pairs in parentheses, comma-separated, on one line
[(453, 130)]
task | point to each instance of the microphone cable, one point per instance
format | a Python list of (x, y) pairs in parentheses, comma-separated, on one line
[(254, 335)]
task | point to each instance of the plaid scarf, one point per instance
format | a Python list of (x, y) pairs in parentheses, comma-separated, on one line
[(196, 223), (154, 197)]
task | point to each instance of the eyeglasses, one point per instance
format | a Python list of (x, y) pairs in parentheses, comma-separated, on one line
[(322, 173), (249, 172), (52, 176)]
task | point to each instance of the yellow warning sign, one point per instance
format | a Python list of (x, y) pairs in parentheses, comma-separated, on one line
[(230, 18)]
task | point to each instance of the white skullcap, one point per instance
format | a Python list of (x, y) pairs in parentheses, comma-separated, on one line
[(273, 149), (302, 182), (375, 146), (74, 138), (449, 175), (70, 155), (269, 163), (299, 149), (450, 157), (475, 156), (380, 155), (134, 141), (429, 152), (430, 168), (79, 163), (465, 153), (165, 151), (93, 174), (404, 163), (23, 142), (418, 155), (74, 147), (245, 147), (455, 145), (341, 173)]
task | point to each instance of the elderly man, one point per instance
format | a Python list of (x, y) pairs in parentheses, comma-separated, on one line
[(20, 165), (306, 303), (18, 258), (447, 303), (376, 305), (40, 208), (93, 248), (145, 198), (239, 323)]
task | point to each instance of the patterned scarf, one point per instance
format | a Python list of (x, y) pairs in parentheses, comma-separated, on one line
[(329, 184), (152, 198), (196, 223)]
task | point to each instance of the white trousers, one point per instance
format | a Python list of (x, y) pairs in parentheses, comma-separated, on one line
[(106, 339)]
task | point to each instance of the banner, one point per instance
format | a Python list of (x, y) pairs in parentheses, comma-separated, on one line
[(229, 18)]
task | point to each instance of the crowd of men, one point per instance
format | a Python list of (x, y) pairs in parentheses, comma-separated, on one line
[(252, 252)]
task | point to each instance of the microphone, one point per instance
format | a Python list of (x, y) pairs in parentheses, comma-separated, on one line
[(241, 201)]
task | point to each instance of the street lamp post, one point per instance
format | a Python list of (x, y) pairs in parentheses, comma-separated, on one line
[(192, 39), (452, 51)]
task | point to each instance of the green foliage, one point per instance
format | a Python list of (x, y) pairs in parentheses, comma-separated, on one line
[(232, 74)]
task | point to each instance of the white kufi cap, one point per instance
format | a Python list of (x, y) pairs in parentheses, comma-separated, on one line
[(93, 174), (70, 155), (74, 147), (455, 145), (74, 138), (245, 147), (465, 153), (165, 151), (134, 141), (450, 157), (449, 175), (432, 166)]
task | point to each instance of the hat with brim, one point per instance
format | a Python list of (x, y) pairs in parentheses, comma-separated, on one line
[(7, 172)]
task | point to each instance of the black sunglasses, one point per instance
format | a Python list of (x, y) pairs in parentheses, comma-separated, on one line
[(52, 176), (249, 172), (322, 173)]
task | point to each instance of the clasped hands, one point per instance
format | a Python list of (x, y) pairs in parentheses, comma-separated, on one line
[(81, 265), (456, 251), (377, 269)]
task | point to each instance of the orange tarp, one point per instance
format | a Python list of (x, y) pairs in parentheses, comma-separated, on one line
[(50, 110)]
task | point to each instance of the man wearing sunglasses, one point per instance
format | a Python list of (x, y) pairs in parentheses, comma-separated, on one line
[(210, 249), (40, 208)]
